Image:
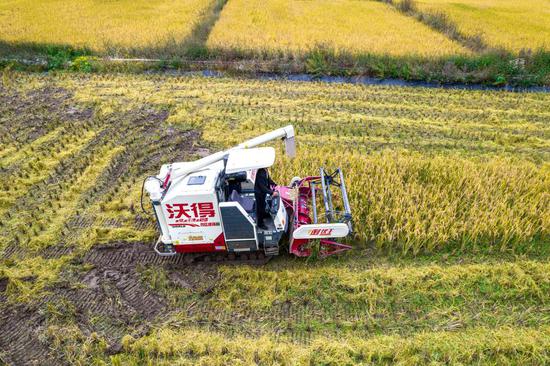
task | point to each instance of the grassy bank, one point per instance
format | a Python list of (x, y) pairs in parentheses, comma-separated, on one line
[(493, 68)]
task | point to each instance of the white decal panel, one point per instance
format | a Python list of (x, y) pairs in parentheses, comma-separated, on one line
[(193, 220), (320, 231)]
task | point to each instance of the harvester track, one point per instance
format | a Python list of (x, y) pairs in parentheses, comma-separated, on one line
[(124, 254), (29, 116), (110, 299), (19, 341), (140, 156)]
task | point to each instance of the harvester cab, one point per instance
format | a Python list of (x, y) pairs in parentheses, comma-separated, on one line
[(208, 205)]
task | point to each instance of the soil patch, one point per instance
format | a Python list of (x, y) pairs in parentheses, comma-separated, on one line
[(3, 284), (110, 299), (28, 116)]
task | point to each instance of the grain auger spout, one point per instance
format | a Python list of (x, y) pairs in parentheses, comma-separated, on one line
[(209, 205)]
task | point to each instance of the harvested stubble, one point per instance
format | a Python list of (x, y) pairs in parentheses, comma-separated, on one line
[(362, 298), (476, 346)]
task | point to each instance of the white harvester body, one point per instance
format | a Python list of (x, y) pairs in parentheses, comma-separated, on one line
[(209, 205)]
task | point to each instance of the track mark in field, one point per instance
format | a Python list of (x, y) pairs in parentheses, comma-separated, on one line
[(46, 130), (11, 156), (202, 29), (142, 155), (23, 180), (70, 198), (30, 115), (110, 299), (147, 143), (20, 342), (44, 198)]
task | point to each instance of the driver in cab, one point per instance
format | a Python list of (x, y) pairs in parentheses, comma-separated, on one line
[(262, 187)]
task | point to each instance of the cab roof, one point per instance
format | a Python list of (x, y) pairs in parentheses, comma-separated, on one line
[(250, 159)]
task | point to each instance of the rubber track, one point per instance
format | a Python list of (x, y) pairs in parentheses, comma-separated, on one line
[(129, 255)]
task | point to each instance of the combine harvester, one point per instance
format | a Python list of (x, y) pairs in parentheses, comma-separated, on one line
[(208, 207)]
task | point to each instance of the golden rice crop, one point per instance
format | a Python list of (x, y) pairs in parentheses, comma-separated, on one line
[(513, 25), (343, 25), (413, 202), (99, 25)]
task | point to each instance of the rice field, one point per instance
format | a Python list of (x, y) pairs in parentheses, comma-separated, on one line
[(450, 191), (273, 26), (101, 26), (427, 169), (509, 24), (277, 26)]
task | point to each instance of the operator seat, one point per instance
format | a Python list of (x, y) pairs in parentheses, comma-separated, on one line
[(246, 202)]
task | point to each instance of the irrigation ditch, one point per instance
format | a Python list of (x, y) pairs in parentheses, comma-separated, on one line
[(266, 70)]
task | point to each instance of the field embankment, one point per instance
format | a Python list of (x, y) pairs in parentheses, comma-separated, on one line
[(491, 42)]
